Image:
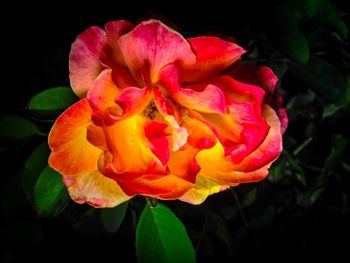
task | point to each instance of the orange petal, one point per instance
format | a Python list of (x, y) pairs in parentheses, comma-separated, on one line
[(182, 163), (167, 187), (71, 153), (200, 134), (77, 160), (127, 142)]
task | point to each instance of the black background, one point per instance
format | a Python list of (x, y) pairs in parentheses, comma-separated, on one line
[(36, 40)]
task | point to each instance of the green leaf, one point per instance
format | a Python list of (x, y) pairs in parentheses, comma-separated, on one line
[(276, 171), (298, 171), (54, 99), (112, 218), (347, 96), (249, 198), (51, 196), (16, 128), (33, 167), (312, 8), (330, 110), (287, 36), (339, 144), (161, 237), (324, 78), (332, 18), (346, 167)]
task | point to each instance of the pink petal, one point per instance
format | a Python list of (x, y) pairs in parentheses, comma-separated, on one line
[(84, 59), (114, 30), (152, 45), (171, 114), (209, 99), (131, 101), (214, 55), (158, 141)]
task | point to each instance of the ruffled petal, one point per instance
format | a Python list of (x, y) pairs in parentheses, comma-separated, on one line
[(203, 187), (178, 178), (127, 143), (131, 101), (201, 136), (71, 153), (167, 187), (84, 59), (214, 55), (152, 45), (171, 115), (209, 99), (254, 167), (270, 149), (182, 163), (101, 96), (243, 128), (77, 160)]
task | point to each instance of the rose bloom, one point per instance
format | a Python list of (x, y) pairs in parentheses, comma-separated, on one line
[(163, 116)]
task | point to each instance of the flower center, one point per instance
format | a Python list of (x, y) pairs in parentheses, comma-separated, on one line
[(151, 110)]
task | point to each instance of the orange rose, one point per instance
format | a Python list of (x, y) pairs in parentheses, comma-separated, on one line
[(161, 116)]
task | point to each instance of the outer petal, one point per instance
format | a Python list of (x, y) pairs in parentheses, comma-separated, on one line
[(202, 189), (95, 189), (84, 59), (264, 77), (71, 153), (261, 76), (152, 45), (271, 148), (167, 187), (209, 99), (243, 128), (213, 56), (215, 165), (74, 157), (114, 30)]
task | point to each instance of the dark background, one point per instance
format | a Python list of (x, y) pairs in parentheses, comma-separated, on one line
[(300, 212)]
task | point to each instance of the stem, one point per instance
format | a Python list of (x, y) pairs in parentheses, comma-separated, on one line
[(153, 201)]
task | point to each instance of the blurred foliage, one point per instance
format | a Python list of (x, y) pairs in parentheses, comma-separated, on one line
[(301, 211)]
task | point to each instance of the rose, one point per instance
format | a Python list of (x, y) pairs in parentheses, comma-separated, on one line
[(163, 116)]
